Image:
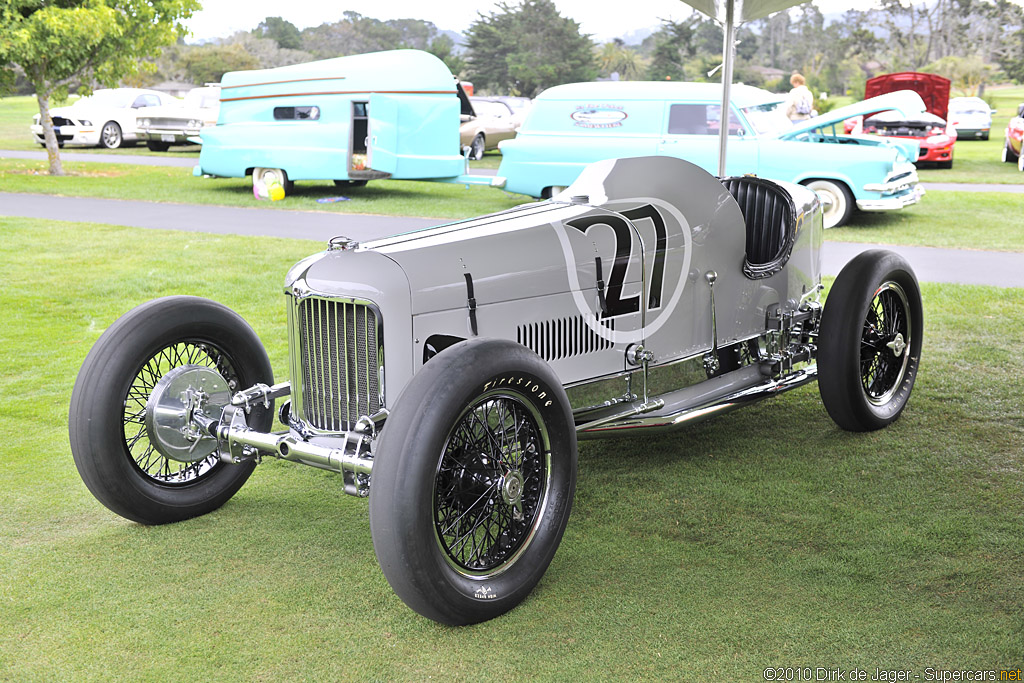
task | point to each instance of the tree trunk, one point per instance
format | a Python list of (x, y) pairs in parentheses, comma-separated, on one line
[(52, 149)]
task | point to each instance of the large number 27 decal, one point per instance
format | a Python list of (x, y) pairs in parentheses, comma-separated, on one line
[(623, 233)]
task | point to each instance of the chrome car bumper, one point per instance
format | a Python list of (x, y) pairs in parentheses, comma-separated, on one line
[(179, 136), (892, 203), (896, 192), (70, 135)]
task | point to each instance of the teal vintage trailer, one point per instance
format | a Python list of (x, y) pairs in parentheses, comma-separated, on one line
[(392, 114)]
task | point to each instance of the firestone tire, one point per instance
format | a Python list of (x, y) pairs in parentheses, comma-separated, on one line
[(869, 346), (107, 426), (473, 481)]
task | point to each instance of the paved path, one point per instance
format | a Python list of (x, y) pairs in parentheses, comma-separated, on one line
[(314, 225), (1002, 269)]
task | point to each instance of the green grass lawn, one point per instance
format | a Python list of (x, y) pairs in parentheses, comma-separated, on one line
[(978, 161), (764, 538), (953, 220)]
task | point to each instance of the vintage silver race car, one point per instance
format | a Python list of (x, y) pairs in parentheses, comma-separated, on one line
[(447, 373)]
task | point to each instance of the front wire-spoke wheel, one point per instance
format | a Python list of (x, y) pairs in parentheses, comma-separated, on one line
[(161, 469), (128, 437), (491, 484), (473, 479), (869, 342)]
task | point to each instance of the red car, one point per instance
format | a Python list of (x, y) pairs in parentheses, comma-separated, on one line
[(935, 135), (1012, 142)]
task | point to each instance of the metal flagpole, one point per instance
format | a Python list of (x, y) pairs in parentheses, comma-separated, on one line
[(728, 50)]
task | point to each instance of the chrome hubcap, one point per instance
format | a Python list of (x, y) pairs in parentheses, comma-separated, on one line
[(512, 492), (178, 396), (897, 345)]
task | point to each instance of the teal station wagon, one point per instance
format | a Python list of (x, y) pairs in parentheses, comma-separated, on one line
[(573, 125)]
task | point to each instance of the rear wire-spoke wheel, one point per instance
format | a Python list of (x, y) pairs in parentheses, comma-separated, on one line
[(869, 346), (163, 348), (473, 478), (884, 339)]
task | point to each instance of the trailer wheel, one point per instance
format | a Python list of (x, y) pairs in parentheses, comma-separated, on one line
[(473, 481), (263, 177), (869, 346)]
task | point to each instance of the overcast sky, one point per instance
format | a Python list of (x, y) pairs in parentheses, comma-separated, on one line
[(220, 18)]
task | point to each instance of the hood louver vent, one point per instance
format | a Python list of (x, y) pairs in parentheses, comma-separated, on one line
[(564, 337)]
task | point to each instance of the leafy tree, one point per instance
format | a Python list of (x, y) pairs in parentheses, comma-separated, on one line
[(208, 63), (615, 57), (283, 32), (967, 74), (674, 44), (525, 48), (356, 34), (57, 43), (443, 47)]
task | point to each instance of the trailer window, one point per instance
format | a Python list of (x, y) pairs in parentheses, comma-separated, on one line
[(305, 113)]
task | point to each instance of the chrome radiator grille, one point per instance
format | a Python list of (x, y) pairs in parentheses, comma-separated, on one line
[(168, 123), (339, 359)]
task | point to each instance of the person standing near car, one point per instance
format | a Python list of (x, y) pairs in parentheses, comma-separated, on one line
[(800, 102)]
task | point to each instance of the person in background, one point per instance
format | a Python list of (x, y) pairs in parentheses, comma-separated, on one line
[(800, 102)]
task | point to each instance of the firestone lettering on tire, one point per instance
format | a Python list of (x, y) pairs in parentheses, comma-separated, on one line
[(539, 392)]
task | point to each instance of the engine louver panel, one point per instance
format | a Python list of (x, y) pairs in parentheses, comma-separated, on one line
[(340, 356), (564, 337)]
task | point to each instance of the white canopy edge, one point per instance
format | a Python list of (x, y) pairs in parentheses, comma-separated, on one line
[(743, 10)]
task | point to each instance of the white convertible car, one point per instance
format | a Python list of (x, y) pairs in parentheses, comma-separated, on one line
[(104, 119)]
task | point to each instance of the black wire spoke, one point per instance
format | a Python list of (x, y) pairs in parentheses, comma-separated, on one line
[(476, 527), (136, 440), (470, 508), (886, 319)]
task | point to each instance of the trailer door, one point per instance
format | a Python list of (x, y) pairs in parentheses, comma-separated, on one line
[(415, 135)]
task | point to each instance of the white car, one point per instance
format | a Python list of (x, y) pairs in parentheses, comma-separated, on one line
[(180, 124), (971, 116), (104, 119)]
